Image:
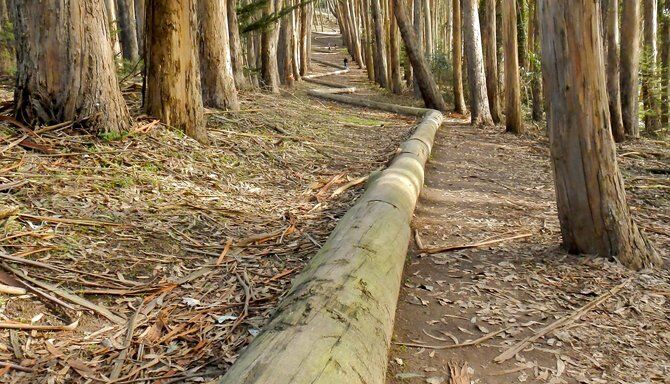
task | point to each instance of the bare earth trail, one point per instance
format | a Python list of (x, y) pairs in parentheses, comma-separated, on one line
[(483, 184)]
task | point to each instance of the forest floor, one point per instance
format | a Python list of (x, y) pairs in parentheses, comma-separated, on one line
[(157, 259), (174, 254), (469, 306)]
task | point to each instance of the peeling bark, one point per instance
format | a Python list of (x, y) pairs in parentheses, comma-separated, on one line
[(65, 68), (592, 208)]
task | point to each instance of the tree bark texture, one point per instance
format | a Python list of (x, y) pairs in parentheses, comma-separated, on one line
[(592, 208), (127, 29), (611, 33), (480, 113), (236, 55), (216, 68), (630, 65), (65, 68), (269, 41), (173, 72), (491, 58), (429, 90), (380, 45), (457, 57), (513, 118), (650, 91)]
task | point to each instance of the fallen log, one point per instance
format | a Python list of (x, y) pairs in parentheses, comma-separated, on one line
[(335, 323)]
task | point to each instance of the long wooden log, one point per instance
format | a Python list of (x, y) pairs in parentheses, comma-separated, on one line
[(335, 323)]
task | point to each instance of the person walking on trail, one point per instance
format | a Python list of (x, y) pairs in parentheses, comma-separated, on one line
[(346, 63)]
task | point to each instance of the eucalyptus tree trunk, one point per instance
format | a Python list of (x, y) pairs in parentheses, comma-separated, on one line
[(396, 78), (535, 70), (630, 65), (513, 119), (428, 27), (216, 69), (357, 53), (650, 92), (417, 19), (269, 41), (236, 52), (113, 26), (367, 29), (491, 58), (140, 11), (306, 15), (65, 68), (665, 61), (285, 52), (522, 36), (429, 90), (7, 53), (127, 29), (592, 208), (173, 73), (480, 112), (380, 46), (457, 58), (611, 32)]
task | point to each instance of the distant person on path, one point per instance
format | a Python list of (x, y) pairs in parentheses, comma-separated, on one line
[(346, 63)]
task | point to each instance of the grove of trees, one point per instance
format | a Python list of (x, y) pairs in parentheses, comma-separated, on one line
[(605, 65)]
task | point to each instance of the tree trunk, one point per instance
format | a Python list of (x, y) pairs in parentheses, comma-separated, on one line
[(592, 208), (269, 40), (236, 55), (480, 112), (457, 58), (7, 53), (418, 29), (630, 65), (665, 60), (491, 58), (650, 92), (428, 28), (216, 69), (513, 119), (380, 46), (535, 70), (64, 71), (521, 33), (285, 52), (173, 77), (611, 30), (429, 90), (127, 29), (113, 26), (306, 14), (367, 26), (140, 9), (396, 77)]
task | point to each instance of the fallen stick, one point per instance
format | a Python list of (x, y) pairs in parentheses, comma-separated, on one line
[(60, 220), (33, 327), (70, 297), (453, 346), (15, 367), (431, 250), (511, 352), (350, 184), (8, 289)]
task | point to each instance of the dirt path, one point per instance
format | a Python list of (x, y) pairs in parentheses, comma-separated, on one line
[(484, 184)]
